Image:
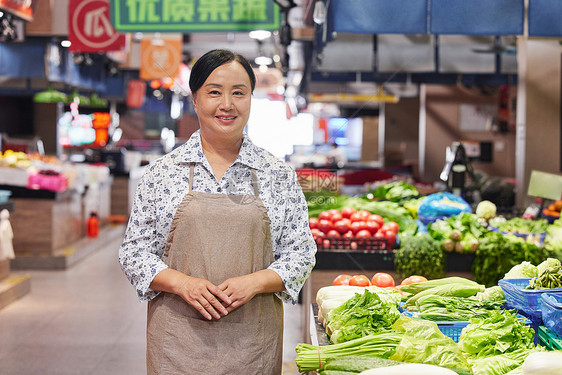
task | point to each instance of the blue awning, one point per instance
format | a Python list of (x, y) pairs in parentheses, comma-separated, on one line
[(380, 16), (545, 18), (477, 17)]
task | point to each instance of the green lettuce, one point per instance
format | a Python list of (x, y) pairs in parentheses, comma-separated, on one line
[(522, 271), (363, 314)]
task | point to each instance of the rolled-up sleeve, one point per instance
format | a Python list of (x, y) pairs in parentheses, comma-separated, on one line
[(141, 251), (295, 249)]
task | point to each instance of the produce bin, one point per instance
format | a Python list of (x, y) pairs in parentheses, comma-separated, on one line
[(525, 300), (552, 312), (549, 339)]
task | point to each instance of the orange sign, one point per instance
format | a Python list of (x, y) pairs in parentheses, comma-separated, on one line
[(160, 58)]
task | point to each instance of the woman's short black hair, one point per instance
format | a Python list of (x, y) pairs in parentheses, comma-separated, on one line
[(211, 60)]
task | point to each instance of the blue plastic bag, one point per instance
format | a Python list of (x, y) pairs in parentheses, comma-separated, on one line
[(551, 305), (441, 205)]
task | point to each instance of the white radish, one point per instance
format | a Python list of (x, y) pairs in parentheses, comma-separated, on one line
[(409, 369)]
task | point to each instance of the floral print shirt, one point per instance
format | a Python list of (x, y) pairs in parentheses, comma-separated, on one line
[(164, 185)]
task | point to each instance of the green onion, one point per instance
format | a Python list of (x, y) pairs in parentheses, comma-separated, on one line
[(313, 357)]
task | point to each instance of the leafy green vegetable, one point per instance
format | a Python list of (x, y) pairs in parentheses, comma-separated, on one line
[(498, 253), (501, 332), (395, 191), (464, 228), (491, 294), (522, 271), (419, 255), (449, 290), (435, 308), (486, 210), (363, 314), (520, 225), (549, 263), (423, 342)]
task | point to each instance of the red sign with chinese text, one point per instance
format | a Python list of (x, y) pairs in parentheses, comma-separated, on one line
[(19, 8), (90, 28)]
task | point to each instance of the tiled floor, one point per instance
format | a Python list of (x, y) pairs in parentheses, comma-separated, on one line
[(87, 320)]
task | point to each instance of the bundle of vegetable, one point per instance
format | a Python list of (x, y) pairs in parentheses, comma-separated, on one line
[(359, 316), (499, 333), (498, 253), (394, 191), (438, 308), (423, 342), (330, 297), (519, 225), (419, 255), (491, 294), (458, 233), (448, 287), (314, 357), (549, 278), (522, 271), (507, 363)]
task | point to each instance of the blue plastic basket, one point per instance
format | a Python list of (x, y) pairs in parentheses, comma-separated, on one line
[(453, 329), (527, 301)]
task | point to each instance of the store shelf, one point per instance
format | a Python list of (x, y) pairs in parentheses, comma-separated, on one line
[(354, 259), (69, 255), (9, 205)]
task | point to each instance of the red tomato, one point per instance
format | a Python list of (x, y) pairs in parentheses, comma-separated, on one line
[(359, 280), (413, 280), (372, 226), (348, 234), (313, 222), (382, 280), (380, 235), (390, 237), (335, 215), (347, 211), (325, 225), (378, 218), (364, 214), (333, 233), (393, 226), (326, 243), (342, 279), (342, 226), (317, 233), (363, 233), (356, 226), (325, 215), (355, 217)]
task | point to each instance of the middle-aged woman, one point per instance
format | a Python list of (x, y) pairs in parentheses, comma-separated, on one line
[(218, 238)]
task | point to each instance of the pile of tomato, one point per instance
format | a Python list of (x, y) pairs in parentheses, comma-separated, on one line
[(360, 227), (380, 279)]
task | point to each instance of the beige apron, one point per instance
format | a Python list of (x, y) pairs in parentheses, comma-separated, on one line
[(215, 237)]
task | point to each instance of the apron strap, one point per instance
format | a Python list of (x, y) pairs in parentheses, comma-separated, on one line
[(190, 176)]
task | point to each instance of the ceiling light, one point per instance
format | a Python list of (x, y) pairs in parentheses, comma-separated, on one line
[(66, 43), (259, 34), (263, 60)]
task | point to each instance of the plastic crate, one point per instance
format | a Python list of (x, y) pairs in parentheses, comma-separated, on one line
[(551, 304), (351, 244), (453, 329), (525, 300), (549, 339)]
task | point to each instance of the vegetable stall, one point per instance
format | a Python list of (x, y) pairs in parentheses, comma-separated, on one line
[(457, 314)]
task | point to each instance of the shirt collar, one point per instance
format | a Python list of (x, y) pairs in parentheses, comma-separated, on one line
[(192, 152)]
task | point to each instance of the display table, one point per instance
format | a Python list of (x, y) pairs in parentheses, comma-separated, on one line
[(123, 190)]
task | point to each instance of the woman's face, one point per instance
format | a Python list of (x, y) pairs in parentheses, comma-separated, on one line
[(223, 102)]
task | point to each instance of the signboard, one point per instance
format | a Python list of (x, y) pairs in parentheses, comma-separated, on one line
[(545, 185), (90, 28), (194, 15), (19, 8), (160, 58)]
